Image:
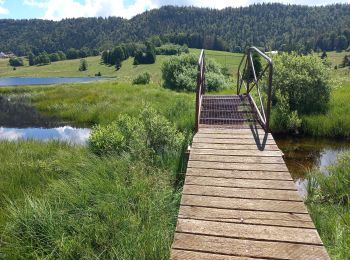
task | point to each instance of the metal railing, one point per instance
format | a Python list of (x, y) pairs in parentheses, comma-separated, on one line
[(249, 79), (200, 87)]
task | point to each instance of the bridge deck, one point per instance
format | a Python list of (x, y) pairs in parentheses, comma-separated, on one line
[(239, 200)]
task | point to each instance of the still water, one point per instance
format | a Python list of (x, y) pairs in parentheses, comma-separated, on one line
[(44, 81), (20, 120), (304, 153), (67, 134)]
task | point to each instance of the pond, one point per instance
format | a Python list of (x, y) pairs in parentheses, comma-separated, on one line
[(304, 153), (20, 120), (67, 134), (44, 81)]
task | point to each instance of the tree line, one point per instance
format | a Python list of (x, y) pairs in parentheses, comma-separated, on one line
[(268, 26)]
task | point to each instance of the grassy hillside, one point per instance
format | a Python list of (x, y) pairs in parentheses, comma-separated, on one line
[(69, 68), (66, 68)]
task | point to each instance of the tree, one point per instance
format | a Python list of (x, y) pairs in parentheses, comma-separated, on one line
[(117, 56), (146, 57), (72, 54), (83, 65), (31, 59), (346, 61)]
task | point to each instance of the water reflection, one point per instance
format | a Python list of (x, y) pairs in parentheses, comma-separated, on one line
[(66, 134), (303, 154), (18, 112)]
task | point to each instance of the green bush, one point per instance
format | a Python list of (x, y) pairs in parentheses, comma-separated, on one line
[(282, 119), (304, 80), (106, 139), (16, 62), (147, 137), (180, 73), (142, 79)]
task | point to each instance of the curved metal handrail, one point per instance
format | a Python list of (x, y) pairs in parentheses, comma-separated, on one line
[(200, 87), (247, 60)]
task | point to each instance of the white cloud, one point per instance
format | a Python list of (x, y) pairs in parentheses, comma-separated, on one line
[(3, 10), (58, 9)]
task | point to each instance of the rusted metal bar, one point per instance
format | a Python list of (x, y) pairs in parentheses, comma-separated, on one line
[(249, 65)]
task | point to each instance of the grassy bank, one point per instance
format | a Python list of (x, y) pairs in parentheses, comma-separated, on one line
[(329, 206), (101, 102), (64, 202)]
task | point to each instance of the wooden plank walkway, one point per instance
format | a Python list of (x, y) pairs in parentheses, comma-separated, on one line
[(240, 202)]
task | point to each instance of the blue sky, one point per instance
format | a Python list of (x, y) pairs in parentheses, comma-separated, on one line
[(58, 9)]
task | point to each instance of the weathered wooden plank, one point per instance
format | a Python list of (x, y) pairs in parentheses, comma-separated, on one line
[(247, 193), (241, 183), (237, 174), (267, 147), (257, 232), (247, 217), (234, 152), (244, 204), (237, 131), (235, 159), (193, 255), (234, 136), (237, 166), (250, 141), (251, 248)]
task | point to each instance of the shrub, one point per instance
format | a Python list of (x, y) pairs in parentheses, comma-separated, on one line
[(16, 62), (54, 57), (42, 59), (142, 79), (62, 55), (304, 81), (147, 137), (106, 139), (282, 119), (180, 73)]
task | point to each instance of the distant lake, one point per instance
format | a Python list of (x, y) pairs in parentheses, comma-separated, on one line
[(44, 81)]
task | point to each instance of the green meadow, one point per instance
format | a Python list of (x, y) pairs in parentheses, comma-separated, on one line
[(64, 201)]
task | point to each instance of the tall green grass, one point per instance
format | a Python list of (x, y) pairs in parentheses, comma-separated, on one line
[(329, 205), (102, 102), (336, 121), (88, 206)]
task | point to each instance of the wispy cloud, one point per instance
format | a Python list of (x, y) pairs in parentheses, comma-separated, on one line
[(58, 9)]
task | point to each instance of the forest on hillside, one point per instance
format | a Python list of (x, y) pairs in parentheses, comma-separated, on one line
[(269, 26)]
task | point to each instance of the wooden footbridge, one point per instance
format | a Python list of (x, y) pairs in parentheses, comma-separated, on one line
[(239, 200)]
